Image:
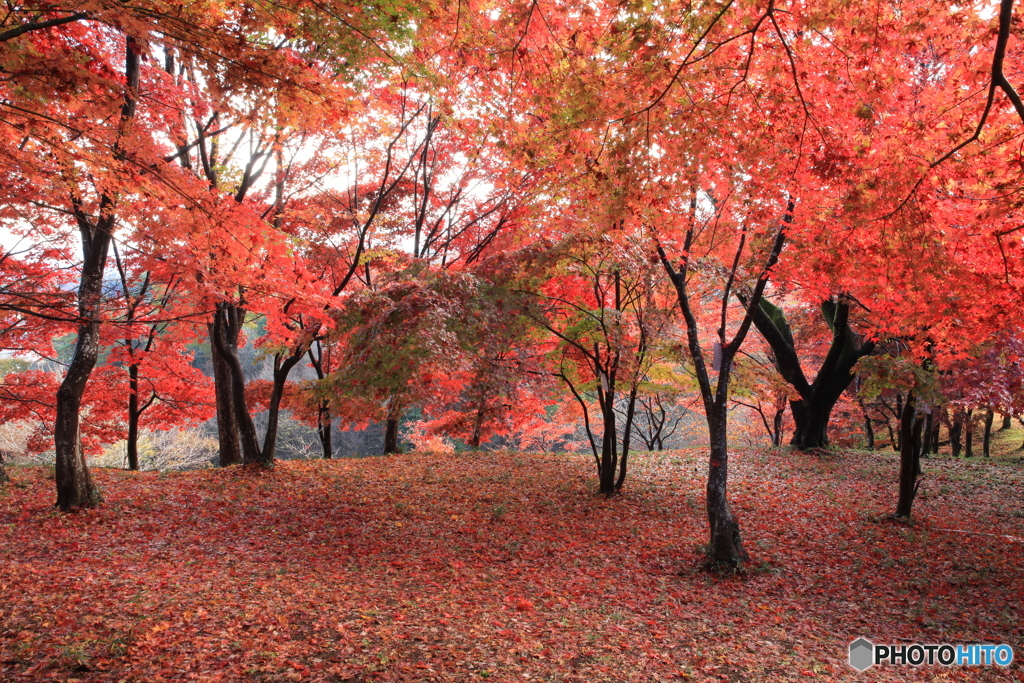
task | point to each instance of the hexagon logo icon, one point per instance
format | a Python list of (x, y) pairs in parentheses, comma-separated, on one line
[(862, 654)]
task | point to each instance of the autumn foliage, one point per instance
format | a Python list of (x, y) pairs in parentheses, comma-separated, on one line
[(503, 226)]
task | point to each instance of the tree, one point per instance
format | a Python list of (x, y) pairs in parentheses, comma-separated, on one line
[(161, 380), (725, 545), (72, 114), (602, 306), (812, 409)]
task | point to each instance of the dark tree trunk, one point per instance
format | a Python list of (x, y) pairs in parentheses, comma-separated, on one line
[(323, 429), (227, 423), (777, 422), (1007, 422), (75, 487), (282, 366), (133, 417), (969, 427), (812, 411), (986, 442), (926, 441), (811, 425), (956, 431), (478, 421), (609, 446), (726, 546), (231, 317), (627, 430), (910, 456), (898, 440), (391, 434), (3, 470), (319, 358), (934, 434), (869, 427)]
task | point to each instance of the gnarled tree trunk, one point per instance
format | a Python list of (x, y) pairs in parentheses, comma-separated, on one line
[(812, 411)]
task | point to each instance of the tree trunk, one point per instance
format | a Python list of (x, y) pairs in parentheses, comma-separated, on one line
[(869, 427), (1007, 422), (986, 443), (478, 421), (3, 470), (231, 317), (282, 366), (323, 429), (75, 487), (627, 430), (910, 460), (926, 441), (133, 417), (812, 411), (811, 425), (609, 452), (319, 358), (777, 422), (956, 431), (969, 427), (934, 435), (74, 482), (726, 546), (391, 436), (227, 424)]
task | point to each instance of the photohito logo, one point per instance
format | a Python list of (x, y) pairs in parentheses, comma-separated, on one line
[(864, 654)]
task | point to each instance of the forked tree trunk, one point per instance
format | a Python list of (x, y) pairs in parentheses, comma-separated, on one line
[(813, 409), (319, 358), (725, 546), (227, 423), (230, 317), (282, 367)]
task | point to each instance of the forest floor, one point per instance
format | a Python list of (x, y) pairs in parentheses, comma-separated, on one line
[(508, 567)]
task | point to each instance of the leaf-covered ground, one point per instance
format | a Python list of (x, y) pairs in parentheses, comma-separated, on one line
[(506, 567)]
